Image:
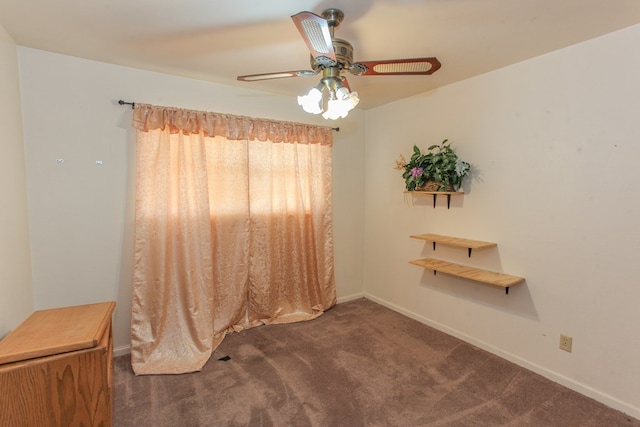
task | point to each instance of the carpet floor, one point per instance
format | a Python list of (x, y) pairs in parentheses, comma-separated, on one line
[(359, 364)]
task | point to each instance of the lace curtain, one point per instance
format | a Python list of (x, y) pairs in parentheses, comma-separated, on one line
[(233, 230)]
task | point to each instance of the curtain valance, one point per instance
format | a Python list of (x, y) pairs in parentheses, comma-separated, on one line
[(150, 117)]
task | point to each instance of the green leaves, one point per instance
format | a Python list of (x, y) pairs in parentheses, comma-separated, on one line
[(440, 164)]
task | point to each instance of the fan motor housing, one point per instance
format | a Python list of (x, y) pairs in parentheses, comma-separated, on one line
[(344, 55)]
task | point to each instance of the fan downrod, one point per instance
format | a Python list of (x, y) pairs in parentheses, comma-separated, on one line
[(333, 16)]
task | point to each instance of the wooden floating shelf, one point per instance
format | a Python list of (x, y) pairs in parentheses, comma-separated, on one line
[(484, 276), (454, 241), (435, 195)]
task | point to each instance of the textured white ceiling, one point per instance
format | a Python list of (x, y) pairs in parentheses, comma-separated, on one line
[(217, 40)]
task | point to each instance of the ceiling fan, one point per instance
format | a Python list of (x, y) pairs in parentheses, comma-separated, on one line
[(333, 57)]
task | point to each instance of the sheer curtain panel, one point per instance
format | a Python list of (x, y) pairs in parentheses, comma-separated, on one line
[(233, 230)]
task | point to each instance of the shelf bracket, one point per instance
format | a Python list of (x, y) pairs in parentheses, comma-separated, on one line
[(470, 249), (435, 197), (434, 246)]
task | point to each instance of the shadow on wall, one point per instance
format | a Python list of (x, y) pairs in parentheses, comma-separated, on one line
[(518, 301)]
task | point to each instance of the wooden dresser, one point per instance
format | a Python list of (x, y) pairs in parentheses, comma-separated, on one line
[(56, 368)]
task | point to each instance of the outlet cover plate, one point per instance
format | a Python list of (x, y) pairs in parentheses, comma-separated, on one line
[(566, 343)]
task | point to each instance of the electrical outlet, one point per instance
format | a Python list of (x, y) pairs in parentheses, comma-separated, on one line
[(565, 343)]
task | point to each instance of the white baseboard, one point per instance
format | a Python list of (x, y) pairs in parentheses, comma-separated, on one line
[(121, 350), (604, 398), (350, 297)]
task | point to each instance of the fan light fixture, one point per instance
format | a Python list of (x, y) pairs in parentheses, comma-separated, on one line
[(339, 99), (332, 97)]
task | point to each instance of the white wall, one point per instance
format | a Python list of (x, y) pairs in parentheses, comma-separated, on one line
[(16, 295), (554, 144), (81, 214)]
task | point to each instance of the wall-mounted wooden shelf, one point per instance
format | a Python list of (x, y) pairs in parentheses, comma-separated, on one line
[(435, 195), (484, 276), (454, 241)]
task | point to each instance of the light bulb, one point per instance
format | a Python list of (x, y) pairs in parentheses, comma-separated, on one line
[(353, 100), (311, 101), (335, 110), (342, 92)]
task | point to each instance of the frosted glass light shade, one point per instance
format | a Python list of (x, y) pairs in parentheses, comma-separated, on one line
[(311, 102)]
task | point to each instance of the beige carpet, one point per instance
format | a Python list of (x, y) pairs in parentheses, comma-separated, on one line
[(359, 364)]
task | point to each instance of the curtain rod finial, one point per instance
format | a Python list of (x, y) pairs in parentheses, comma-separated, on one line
[(121, 102)]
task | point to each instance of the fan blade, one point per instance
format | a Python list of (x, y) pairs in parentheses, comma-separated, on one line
[(315, 32), (413, 66), (278, 75)]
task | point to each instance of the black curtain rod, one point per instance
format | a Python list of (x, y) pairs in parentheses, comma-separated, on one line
[(133, 104)]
